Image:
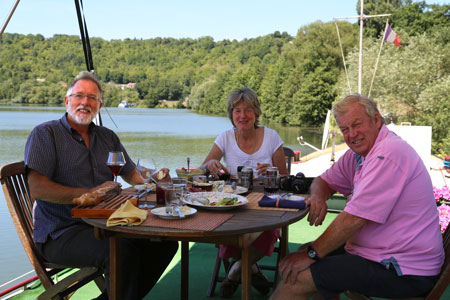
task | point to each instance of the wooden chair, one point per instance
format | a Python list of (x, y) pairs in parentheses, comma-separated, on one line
[(288, 155), (13, 179), (440, 286)]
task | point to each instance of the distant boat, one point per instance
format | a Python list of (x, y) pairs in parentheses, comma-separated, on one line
[(123, 104)]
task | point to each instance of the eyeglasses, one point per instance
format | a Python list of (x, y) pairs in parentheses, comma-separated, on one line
[(80, 96)]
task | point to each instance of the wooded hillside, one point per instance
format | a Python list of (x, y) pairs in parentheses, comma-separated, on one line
[(297, 78)]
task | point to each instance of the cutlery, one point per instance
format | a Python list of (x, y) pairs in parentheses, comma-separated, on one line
[(188, 162), (287, 195), (203, 201), (145, 203), (233, 186), (145, 192), (178, 210)]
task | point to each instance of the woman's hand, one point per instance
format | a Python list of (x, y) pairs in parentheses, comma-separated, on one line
[(214, 167), (261, 168), (162, 175)]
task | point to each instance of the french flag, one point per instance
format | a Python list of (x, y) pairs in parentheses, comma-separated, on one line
[(391, 36)]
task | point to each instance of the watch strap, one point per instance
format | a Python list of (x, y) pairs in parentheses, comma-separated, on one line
[(312, 253)]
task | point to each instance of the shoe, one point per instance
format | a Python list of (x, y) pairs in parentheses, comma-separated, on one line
[(228, 288), (260, 282)]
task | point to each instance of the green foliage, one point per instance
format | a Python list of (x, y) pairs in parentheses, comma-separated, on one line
[(411, 81), (296, 78)]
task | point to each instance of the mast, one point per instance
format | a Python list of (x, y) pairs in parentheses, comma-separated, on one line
[(361, 25), (361, 19), (9, 17)]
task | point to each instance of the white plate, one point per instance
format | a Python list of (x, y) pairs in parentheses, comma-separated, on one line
[(291, 197), (239, 189), (214, 197), (161, 212)]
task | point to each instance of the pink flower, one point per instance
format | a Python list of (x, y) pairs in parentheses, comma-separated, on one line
[(441, 195)]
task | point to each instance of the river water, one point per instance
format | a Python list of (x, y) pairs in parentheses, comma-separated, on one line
[(168, 136)]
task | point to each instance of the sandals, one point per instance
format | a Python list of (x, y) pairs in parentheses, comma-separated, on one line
[(228, 288), (259, 282)]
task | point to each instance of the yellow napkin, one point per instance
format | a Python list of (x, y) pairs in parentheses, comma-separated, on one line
[(127, 214)]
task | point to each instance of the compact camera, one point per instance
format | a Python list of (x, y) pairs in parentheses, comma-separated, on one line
[(298, 184)]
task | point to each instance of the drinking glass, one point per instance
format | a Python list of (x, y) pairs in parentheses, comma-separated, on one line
[(161, 191), (116, 161), (146, 168), (173, 197)]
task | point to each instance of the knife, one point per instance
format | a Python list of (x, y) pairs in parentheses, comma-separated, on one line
[(145, 192), (177, 209)]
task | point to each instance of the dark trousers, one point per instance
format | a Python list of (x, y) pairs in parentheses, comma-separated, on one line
[(144, 261)]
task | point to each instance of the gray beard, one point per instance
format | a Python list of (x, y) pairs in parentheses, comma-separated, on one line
[(80, 121)]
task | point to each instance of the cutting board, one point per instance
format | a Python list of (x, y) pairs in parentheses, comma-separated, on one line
[(102, 210)]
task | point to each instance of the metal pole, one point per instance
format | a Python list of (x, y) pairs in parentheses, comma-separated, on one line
[(9, 17), (361, 22)]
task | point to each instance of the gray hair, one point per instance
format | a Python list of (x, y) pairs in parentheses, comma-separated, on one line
[(249, 97), (86, 75), (370, 106)]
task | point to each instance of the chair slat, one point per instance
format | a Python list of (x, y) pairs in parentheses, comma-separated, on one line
[(14, 183)]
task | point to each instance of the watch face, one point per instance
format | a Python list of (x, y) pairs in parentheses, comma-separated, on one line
[(312, 253)]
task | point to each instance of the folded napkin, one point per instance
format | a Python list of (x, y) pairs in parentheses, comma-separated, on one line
[(127, 214), (281, 203)]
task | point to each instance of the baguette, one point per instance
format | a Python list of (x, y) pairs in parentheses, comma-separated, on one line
[(89, 199)]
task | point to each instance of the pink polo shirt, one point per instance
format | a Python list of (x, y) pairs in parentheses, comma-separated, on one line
[(392, 189)]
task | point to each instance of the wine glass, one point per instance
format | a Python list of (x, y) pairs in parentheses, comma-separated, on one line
[(146, 168), (115, 162)]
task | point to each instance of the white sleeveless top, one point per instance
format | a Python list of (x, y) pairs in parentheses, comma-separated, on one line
[(235, 157)]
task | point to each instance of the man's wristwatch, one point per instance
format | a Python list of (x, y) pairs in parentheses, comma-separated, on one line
[(312, 253)]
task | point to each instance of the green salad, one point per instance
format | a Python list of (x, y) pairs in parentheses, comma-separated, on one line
[(227, 201)]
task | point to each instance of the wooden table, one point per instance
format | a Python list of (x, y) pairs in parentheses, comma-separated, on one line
[(240, 231)]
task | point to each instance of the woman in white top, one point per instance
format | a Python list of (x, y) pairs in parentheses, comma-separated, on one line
[(246, 144), (249, 145)]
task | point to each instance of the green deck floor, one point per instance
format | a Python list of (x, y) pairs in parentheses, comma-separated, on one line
[(201, 262)]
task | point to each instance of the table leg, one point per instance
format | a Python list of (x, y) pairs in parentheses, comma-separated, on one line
[(246, 277), (115, 250), (284, 238), (184, 270)]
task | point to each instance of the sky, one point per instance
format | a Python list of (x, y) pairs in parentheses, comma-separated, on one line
[(146, 19)]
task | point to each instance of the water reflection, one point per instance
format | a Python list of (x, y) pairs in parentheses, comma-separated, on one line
[(167, 135)]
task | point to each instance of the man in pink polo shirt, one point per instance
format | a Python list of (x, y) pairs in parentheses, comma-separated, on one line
[(390, 225)]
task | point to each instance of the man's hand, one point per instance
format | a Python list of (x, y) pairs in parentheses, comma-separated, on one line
[(317, 202), (317, 210), (292, 265), (96, 194), (106, 187)]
